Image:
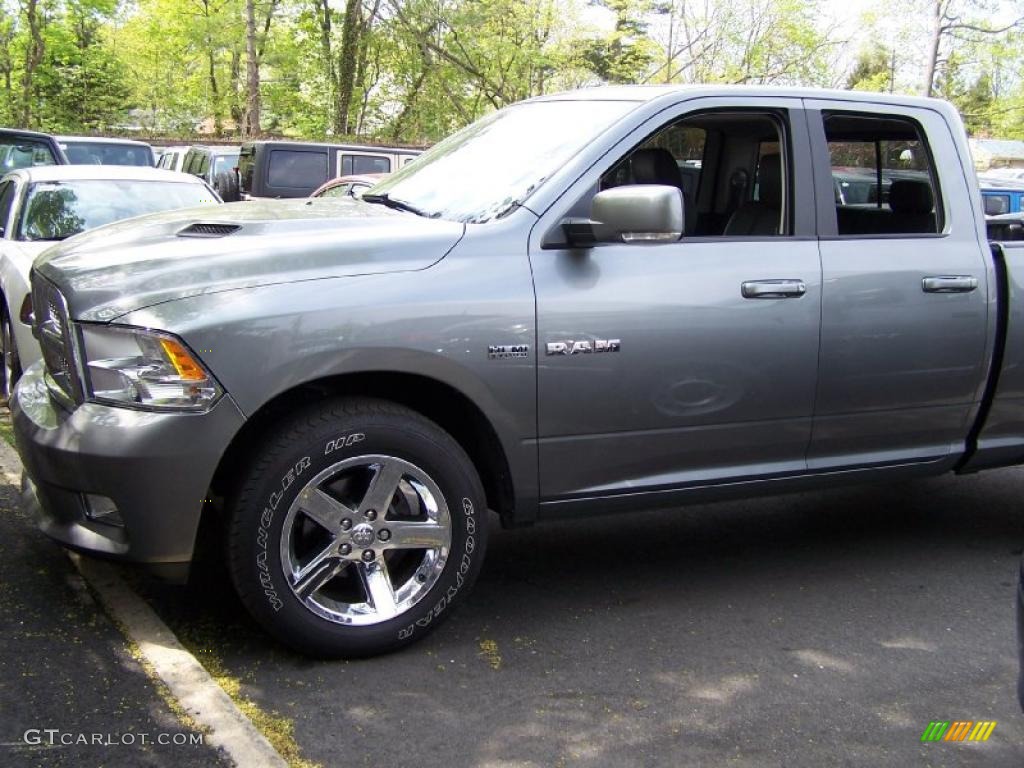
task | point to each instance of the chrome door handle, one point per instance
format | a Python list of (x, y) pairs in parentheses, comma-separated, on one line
[(949, 284), (773, 289)]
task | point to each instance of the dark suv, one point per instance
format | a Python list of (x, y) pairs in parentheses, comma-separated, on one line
[(296, 169), (217, 166), (24, 149)]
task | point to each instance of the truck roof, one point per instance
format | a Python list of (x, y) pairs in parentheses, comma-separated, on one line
[(645, 93)]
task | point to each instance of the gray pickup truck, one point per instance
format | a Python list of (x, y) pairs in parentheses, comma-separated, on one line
[(603, 300)]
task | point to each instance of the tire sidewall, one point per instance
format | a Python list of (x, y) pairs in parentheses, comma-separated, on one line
[(260, 519)]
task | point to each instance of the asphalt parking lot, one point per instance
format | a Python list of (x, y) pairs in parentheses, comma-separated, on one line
[(823, 629)]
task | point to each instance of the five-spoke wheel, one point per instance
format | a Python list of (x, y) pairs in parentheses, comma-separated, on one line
[(358, 526), (366, 539)]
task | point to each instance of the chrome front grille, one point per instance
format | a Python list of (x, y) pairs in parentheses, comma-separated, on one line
[(53, 329)]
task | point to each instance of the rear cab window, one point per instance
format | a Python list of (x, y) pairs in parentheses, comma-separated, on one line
[(883, 176)]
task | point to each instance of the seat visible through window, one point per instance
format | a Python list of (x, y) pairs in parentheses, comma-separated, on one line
[(761, 216)]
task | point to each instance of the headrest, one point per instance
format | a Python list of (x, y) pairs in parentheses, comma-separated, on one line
[(769, 181), (911, 197), (655, 166)]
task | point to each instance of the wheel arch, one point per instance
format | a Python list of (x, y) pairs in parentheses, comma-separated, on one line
[(443, 404)]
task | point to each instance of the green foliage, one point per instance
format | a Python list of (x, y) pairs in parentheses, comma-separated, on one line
[(626, 53), (872, 70), (415, 70)]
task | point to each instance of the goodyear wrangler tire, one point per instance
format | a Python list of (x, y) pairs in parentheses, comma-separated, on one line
[(358, 527)]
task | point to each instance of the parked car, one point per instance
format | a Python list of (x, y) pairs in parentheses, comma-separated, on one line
[(26, 149), (42, 205), (172, 158), (533, 318), (87, 150), (297, 169), (1001, 195), (348, 186), (1013, 174), (217, 166)]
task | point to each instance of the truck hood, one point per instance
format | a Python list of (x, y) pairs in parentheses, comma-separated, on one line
[(122, 267)]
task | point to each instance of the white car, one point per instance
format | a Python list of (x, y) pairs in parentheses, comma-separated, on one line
[(44, 204)]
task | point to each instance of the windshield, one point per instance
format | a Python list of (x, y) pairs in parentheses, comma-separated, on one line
[(56, 210), (103, 153), (23, 153), (486, 169)]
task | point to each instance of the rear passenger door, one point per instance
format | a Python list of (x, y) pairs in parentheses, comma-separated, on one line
[(904, 287)]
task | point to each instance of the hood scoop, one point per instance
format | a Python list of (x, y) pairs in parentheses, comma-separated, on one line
[(209, 230)]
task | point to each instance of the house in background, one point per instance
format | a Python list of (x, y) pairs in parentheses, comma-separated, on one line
[(997, 153)]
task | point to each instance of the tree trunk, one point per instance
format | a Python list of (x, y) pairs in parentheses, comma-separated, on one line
[(251, 123), (328, 56), (218, 121), (351, 32), (33, 57), (237, 112), (933, 48)]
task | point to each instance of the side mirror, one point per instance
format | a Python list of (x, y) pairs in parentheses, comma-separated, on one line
[(637, 213)]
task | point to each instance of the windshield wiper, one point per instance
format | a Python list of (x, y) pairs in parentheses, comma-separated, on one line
[(398, 205)]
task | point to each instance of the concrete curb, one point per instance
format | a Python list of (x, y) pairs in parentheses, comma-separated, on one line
[(186, 679), (189, 683)]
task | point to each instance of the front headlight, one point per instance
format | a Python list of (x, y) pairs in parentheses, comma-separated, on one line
[(141, 368)]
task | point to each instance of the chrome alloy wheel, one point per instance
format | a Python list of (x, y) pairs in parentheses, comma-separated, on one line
[(365, 540)]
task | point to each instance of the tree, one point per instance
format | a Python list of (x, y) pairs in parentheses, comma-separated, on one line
[(957, 21), (874, 70), (749, 41), (627, 53)]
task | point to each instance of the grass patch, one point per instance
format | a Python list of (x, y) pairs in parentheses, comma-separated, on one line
[(6, 430), (280, 731)]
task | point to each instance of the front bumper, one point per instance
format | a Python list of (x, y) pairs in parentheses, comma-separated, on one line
[(156, 468)]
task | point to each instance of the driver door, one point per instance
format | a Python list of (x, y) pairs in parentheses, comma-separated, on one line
[(696, 374)]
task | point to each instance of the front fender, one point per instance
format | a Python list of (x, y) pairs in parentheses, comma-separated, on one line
[(438, 323)]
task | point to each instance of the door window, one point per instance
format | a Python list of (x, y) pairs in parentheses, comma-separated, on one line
[(882, 176), (730, 166), (356, 164)]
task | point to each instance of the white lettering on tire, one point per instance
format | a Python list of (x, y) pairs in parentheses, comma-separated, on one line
[(263, 531), (453, 590)]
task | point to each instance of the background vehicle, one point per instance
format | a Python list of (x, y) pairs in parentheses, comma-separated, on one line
[(215, 165), (1001, 195), (571, 328), (296, 169), (172, 158), (25, 149), (1013, 174), (85, 150), (348, 186), (39, 206)]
